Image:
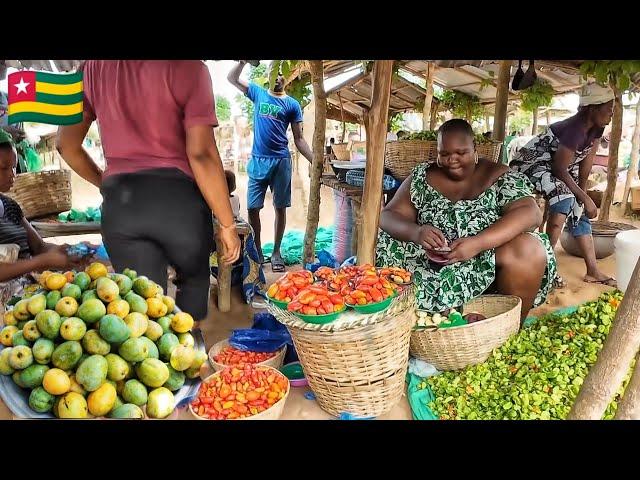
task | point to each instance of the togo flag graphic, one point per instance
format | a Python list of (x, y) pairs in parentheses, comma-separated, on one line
[(43, 97)]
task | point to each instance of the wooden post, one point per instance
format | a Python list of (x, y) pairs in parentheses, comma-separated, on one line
[(534, 126), (502, 96), (548, 115), (313, 213), (619, 349), (376, 140), (629, 405), (632, 173), (612, 166), (434, 117), (428, 97), (344, 125), (487, 124)]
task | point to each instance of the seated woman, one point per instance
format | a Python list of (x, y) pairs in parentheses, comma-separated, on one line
[(558, 163), (35, 254), (483, 212)]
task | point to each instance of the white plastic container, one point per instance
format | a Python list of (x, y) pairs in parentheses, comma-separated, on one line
[(627, 253)]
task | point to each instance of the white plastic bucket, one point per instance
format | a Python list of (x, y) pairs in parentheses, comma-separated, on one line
[(627, 253)]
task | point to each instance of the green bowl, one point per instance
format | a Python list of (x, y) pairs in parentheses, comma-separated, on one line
[(319, 319), (373, 307), (278, 303)]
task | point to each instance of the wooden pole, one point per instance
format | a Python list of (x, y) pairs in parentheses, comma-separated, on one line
[(313, 213), (619, 349), (376, 140), (434, 117), (612, 166), (629, 405), (632, 173), (548, 115), (534, 126), (428, 97), (502, 96)]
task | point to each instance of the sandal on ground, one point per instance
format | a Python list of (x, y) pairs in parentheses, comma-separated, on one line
[(609, 282), (559, 282)]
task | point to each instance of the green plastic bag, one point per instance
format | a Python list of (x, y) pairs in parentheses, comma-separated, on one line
[(33, 160), (419, 398), (77, 216)]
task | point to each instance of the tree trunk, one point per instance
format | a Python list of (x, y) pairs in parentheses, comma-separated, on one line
[(632, 173), (502, 97), (612, 167), (428, 97), (629, 405), (548, 115), (487, 124), (376, 140), (313, 214), (619, 349), (534, 127), (434, 116)]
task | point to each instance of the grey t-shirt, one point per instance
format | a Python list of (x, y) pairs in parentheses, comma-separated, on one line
[(4, 114)]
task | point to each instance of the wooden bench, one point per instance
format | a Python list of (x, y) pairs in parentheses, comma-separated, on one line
[(224, 270)]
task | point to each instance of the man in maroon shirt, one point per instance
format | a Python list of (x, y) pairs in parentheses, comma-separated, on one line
[(163, 176)]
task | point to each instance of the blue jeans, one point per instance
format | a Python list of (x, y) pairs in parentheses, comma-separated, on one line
[(268, 172), (582, 227)]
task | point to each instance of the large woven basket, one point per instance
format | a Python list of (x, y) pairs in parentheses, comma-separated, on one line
[(455, 348), (341, 152), (272, 413), (42, 193), (274, 362), (356, 366), (401, 157)]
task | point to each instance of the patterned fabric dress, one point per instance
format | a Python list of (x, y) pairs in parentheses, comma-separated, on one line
[(454, 285), (535, 159)]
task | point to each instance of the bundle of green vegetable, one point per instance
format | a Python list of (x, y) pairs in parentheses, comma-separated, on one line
[(432, 135), (535, 375)]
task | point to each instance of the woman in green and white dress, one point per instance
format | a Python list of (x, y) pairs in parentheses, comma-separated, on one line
[(475, 220)]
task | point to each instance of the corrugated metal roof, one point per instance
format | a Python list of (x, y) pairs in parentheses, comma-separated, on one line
[(61, 65)]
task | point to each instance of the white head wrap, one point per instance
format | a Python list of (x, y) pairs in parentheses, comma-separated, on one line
[(594, 94)]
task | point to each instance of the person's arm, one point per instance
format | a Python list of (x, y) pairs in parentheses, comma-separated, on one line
[(399, 219), (560, 169), (519, 214), (585, 168), (234, 77), (208, 171), (301, 143), (69, 145)]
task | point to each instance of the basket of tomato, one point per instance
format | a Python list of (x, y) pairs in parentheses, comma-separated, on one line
[(223, 355), (246, 392)]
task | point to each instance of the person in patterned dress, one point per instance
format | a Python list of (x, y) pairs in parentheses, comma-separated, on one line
[(483, 212), (558, 163)]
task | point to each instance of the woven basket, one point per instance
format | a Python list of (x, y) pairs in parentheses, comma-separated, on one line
[(42, 193), (274, 362), (356, 366), (455, 348), (401, 157), (341, 152), (272, 413)]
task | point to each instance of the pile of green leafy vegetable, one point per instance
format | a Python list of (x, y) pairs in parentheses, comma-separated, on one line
[(536, 374)]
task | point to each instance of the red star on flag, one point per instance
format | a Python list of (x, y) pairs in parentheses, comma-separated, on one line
[(22, 87)]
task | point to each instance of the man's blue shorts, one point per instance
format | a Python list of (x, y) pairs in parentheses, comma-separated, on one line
[(269, 172), (564, 207)]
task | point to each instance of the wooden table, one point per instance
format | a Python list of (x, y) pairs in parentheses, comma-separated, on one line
[(224, 270), (62, 229)]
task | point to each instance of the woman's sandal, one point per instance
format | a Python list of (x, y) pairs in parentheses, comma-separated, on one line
[(559, 282), (609, 282)]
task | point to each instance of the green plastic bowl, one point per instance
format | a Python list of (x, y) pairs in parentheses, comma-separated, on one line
[(374, 307), (319, 319), (279, 304)]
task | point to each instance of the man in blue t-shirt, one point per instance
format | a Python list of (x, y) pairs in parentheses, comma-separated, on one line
[(270, 162)]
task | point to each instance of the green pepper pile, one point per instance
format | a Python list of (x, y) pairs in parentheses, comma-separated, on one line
[(536, 374)]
